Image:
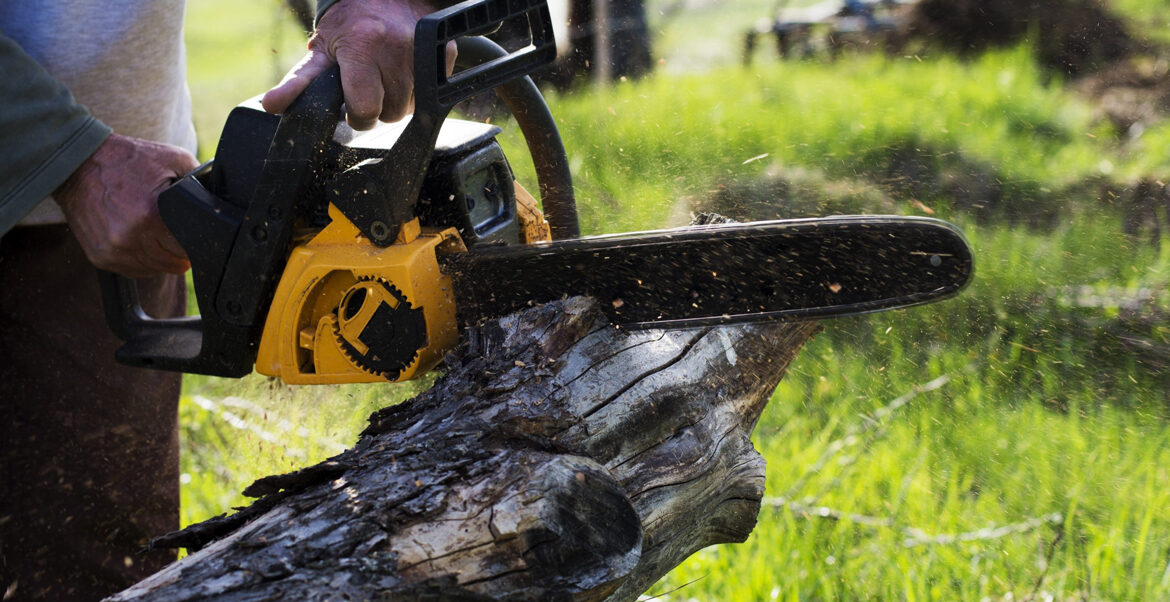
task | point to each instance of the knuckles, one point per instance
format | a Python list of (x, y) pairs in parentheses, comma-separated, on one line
[(372, 43)]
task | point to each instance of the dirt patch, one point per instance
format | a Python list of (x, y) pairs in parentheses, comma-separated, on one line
[(1131, 95), (1071, 36), (911, 170), (793, 192), (908, 171), (884, 182)]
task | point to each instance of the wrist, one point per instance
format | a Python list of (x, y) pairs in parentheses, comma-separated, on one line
[(89, 170), (63, 192)]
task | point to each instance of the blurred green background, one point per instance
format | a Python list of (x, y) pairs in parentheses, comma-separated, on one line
[(1011, 443)]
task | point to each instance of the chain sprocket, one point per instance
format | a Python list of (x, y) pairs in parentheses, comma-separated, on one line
[(378, 329)]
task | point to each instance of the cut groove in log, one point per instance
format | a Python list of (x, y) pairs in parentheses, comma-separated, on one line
[(559, 458)]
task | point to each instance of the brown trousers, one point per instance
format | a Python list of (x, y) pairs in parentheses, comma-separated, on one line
[(89, 450)]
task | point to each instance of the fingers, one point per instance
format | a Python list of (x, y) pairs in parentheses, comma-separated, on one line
[(167, 244), (376, 72), (175, 161), (139, 255), (452, 54), (361, 83), (163, 254), (373, 43), (278, 99), (398, 96), (374, 89), (146, 260), (160, 243), (135, 247)]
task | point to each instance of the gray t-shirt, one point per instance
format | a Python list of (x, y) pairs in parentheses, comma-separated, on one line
[(123, 60)]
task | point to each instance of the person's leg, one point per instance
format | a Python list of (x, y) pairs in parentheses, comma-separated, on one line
[(88, 449)]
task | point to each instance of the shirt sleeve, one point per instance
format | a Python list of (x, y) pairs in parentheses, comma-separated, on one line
[(44, 133)]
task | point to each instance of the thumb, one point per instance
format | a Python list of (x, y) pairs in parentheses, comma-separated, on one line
[(295, 81)]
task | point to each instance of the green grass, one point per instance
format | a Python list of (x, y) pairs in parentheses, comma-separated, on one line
[(964, 474), (235, 50), (1151, 18), (1043, 425), (234, 432), (853, 118), (1030, 424)]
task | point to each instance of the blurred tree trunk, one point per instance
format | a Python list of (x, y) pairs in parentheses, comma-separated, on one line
[(610, 39), (304, 11)]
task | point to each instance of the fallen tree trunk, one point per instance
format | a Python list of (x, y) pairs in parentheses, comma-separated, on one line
[(559, 458)]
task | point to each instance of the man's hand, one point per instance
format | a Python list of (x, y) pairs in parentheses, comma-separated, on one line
[(373, 41), (111, 204)]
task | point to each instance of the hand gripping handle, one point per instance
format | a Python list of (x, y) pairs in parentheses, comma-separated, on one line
[(235, 261), (379, 195)]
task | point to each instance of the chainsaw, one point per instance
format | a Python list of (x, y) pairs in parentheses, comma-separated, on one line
[(321, 254)]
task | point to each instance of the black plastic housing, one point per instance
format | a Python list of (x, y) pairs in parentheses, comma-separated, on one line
[(468, 184)]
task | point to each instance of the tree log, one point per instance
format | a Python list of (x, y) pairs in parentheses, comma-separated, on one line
[(559, 457)]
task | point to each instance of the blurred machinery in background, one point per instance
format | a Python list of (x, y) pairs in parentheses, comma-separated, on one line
[(829, 27)]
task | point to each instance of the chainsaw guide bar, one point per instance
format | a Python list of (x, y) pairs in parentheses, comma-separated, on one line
[(725, 273)]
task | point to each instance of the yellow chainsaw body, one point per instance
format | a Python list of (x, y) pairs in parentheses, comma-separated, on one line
[(338, 287), (337, 284)]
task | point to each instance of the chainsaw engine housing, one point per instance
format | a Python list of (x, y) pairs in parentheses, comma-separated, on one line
[(346, 310)]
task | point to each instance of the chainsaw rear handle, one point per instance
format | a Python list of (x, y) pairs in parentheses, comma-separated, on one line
[(174, 344), (237, 255)]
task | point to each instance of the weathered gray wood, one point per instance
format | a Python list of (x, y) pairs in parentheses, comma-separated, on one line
[(559, 458)]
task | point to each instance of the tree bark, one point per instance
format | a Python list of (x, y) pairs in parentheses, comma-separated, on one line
[(560, 457)]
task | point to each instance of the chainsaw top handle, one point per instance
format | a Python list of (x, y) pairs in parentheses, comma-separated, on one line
[(379, 195), (238, 253)]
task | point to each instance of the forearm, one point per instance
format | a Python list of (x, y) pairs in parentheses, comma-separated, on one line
[(44, 134)]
